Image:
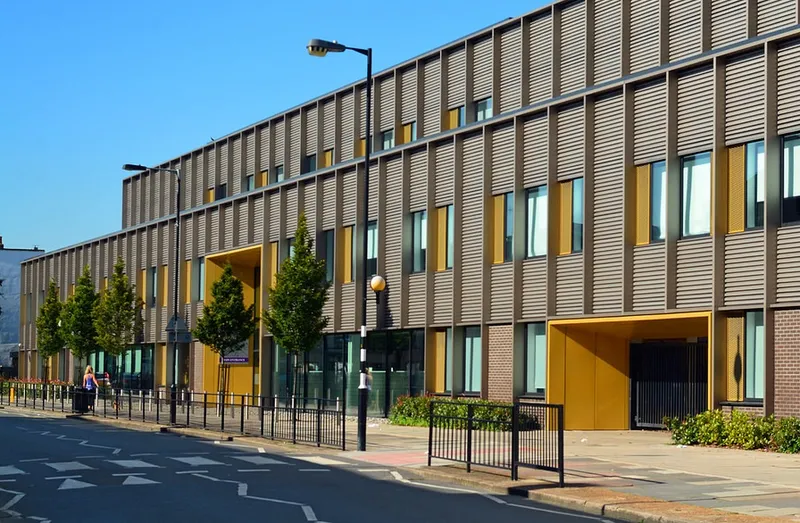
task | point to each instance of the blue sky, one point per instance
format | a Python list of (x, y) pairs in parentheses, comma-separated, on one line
[(87, 86)]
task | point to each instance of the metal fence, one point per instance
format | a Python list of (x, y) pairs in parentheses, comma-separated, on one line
[(299, 420), (498, 436)]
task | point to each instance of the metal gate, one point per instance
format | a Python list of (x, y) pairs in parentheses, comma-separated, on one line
[(668, 379)]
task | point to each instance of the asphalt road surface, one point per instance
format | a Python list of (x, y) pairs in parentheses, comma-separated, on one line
[(66, 470)]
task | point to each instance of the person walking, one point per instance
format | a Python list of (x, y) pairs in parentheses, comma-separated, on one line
[(90, 385)]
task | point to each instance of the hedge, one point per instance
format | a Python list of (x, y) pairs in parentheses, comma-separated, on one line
[(739, 430), (414, 411)]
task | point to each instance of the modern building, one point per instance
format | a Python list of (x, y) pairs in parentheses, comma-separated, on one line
[(594, 204), (10, 276)]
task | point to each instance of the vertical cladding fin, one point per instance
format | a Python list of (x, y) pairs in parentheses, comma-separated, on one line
[(329, 124), (362, 109), (417, 296), (224, 164), (431, 100), (214, 230), (349, 198), (534, 150), (199, 187), (243, 225), (291, 211), (274, 216), (788, 86), (482, 68), (444, 174), (188, 236), (540, 58), (456, 77), (607, 40), (608, 232), (774, 14), (236, 168), (347, 121), (503, 159), (374, 190), (258, 218), (294, 145), (728, 21), (408, 95), (310, 207), (394, 246), (158, 189), (744, 269), (472, 227), (685, 28), (695, 111), (510, 69), (328, 202), (387, 103), (211, 166), (650, 122), (570, 149), (188, 182), (280, 145), (202, 247), (501, 302), (250, 153), (648, 290), (311, 130), (573, 47), (418, 180), (645, 35), (744, 98), (693, 281), (147, 198), (534, 288), (569, 285), (263, 135), (127, 189)]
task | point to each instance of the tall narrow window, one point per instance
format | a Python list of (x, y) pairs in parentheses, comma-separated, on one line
[(535, 358), (152, 286), (221, 191), (348, 255), (696, 195), (327, 158), (387, 139), (754, 355), (263, 178), (419, 240), (325, 251), (372, 249), (536, 222), (250, 182), (508, 228), (577, 215), (444, 238), (503, 228), (790, 206), (451, 224), (483, 109), (409, 132), (443, 360), (310, 163), (448, 359), (198, 279), (279, 173), (658, 201), (472, 359), (754, 185), (290, 247), (456, 117)]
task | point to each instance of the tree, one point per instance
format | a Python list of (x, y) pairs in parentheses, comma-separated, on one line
[(118, 315), (49, 337), (226, 323), (296, 303), (77, 319)]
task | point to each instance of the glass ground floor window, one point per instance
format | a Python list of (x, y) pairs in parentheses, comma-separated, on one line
[(134, 370)]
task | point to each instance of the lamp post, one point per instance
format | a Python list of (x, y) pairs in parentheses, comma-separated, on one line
[(321, 48), (175, 323)]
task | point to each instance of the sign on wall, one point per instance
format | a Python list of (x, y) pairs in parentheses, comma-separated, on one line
[(240, 355)]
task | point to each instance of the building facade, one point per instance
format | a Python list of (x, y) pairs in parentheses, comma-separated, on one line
[(593, 204)]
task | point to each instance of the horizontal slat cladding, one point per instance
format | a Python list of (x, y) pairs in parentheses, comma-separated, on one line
[(685, 24), (648, 287), (695, 111), (443, 297), (188, 234), (431, 98), (311, 130), (328, 203), (237, 166), (158, 210), (728, 21), (573, 47), (569, 285), (328, 309), (250, 153), (607, 239), (291, 211), (694, 278), (744, 269), (224, 165), (147, 198), (280, 146), (310, 207), (393, 250), (347, 307), (418, 180), (387, 103), (644, 42), (607, 40), (349, 198), (472, 230), (534, 151), (258, 219), (570, 143), (294, 145), (329, 124), (416, 301), (444, 178), (789, 87), (164, 240), (227, 227), (744, 99), (456, 77), (503, 159), (482, 68), (141, 250), (408, 95), (274, 216), (502, 305), (202, 234), (774, 14), (189, 183), (650, 122), (510, 69), (264, 146), (126, 218), (214, 229), (374, 190), (540, 58), (788, 263), (347, 122), (211, 167), (362, 109)]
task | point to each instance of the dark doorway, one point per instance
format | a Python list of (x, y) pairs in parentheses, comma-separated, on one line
[(668, 379)]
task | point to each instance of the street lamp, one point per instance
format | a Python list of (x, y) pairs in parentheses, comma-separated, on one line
[(317, 47), (176, 325)]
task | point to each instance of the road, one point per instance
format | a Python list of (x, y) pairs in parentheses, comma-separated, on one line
[(67, 470)]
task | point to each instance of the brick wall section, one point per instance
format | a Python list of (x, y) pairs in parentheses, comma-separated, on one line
[(753, 411), (787, 362), (501, 363)]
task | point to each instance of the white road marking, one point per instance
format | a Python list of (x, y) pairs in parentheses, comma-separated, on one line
[(66, 466), (372, 470), (33, 460), (89, 457), (10, 470), (63, 477), (260, 460), (261, 450), (253, 470), (716, 482), (71, 484), (314, 470), (319, 460), (7, 480), (144, 454), (197, 461), (126, 474), (136, 480), (190, 471), (197, 453), (309, 513), (14, 500), (132, 463)]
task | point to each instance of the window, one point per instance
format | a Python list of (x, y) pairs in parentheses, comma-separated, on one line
[(754, 355), (444, 238), (409, 132), (577, 215), (790, 206), (198, 279), (419, 240), (387, 139), (754, 185), (570, 216), (535, 358), (503, 229), (250, 182), (536, 233), (327, 158), (326, 249), (290, 247), (483, 109), (278, 173), (372, 248), (221, 192), (658, 201), (696, 195), (310, 163), (472, 359), (456, 117), (152, 285), (348, 252), (263, 178)]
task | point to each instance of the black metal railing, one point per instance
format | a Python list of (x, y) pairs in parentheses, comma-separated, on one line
[(498, 436), (299, 420)]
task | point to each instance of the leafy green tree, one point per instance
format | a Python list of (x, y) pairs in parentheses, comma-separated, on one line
[(118, 314), (49, 333), (77, 319), (296, 303), (226, 322)]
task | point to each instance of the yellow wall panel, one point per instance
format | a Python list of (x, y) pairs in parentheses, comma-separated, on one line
[(498, 215), (736, 177), (406, 136), (327, 158), (361, 148), (347, 254), (611, 383), (565, 218), (580, 380), (187, 281), (210, 196), (105, 284), (643, 204), (143, 288), (440, 361), (273, 264), (556, 371), (263, 179), (441, 239), (735, 358), (452, 118)]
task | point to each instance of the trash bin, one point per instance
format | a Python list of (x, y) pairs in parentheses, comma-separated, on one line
[(80, 400)]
